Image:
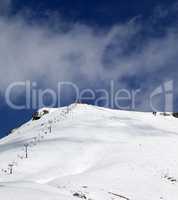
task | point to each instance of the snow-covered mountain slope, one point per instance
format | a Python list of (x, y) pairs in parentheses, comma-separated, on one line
[(88, 152)]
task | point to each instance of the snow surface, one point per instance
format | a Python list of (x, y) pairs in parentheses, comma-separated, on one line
[(93, 153)]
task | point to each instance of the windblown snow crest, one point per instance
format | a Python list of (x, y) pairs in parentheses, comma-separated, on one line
[(87, 152)]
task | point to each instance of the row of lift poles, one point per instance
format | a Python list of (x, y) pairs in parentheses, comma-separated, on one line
[(11, 165)]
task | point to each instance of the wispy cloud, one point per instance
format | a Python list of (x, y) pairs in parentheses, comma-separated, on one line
[(83, 54)]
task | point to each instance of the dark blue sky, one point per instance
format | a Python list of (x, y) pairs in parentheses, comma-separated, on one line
[(100, 14), (93, 12)]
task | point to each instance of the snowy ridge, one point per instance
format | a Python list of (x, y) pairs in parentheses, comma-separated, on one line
[(87, 152)]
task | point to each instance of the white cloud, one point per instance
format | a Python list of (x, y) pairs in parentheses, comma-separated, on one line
[(81, 54)]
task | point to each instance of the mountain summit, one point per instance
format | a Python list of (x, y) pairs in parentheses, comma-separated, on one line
[(88, 152)]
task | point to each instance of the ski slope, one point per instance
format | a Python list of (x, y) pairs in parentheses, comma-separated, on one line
[(87, 152)]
